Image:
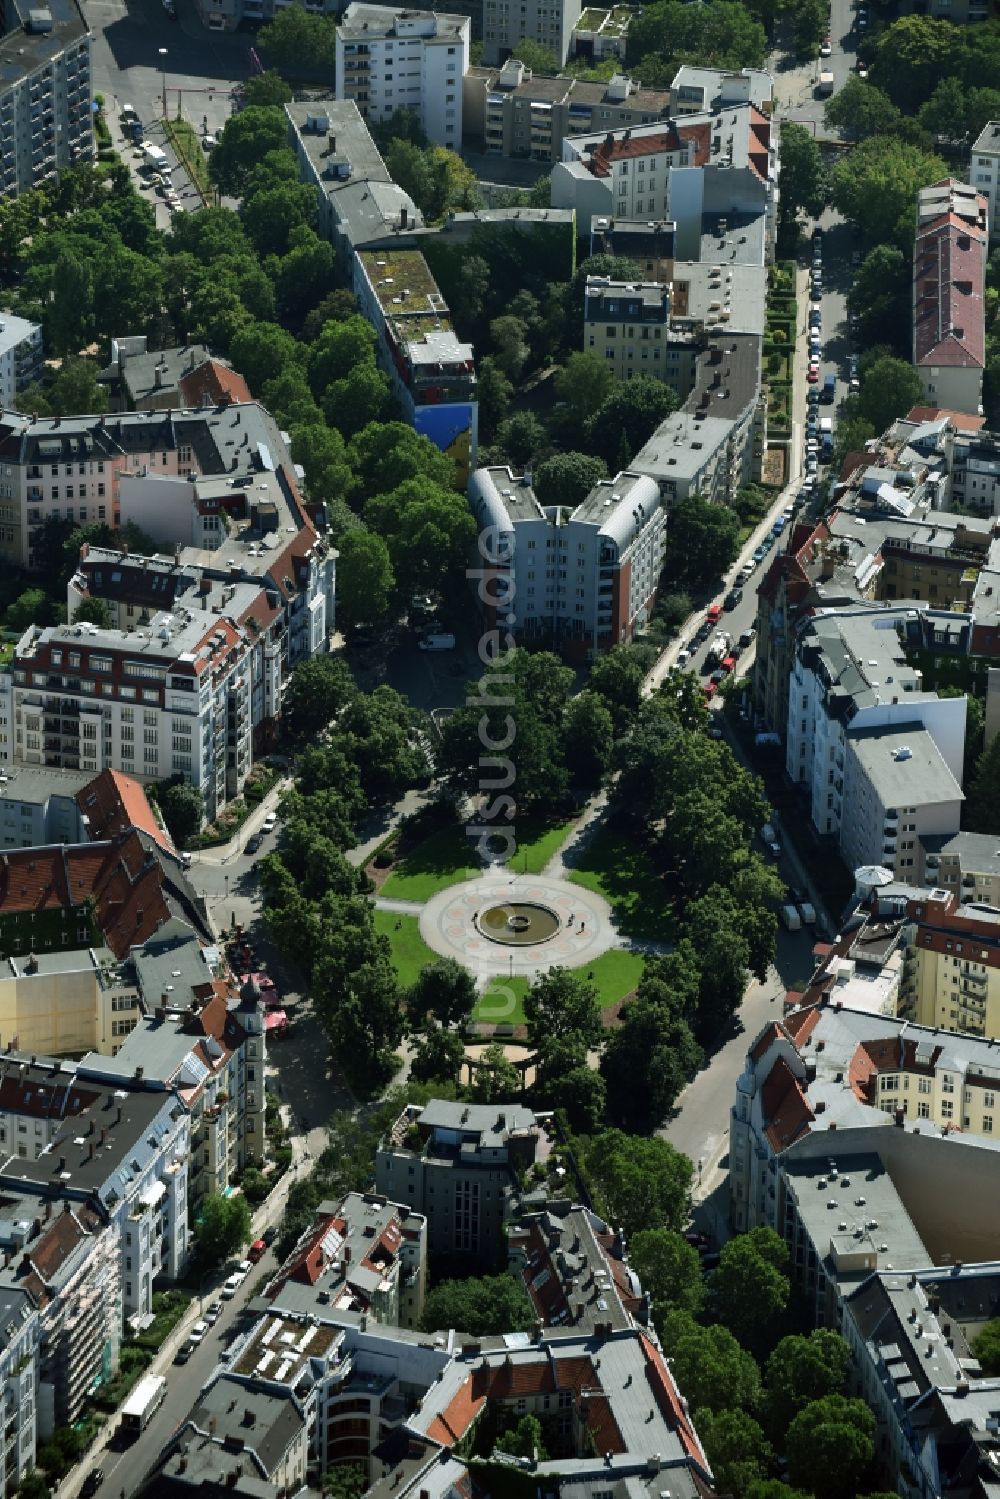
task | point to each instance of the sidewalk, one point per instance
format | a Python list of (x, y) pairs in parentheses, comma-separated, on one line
[(222, 853)]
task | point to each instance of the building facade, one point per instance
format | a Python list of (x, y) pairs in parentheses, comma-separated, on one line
[(390, 59), (550, 23), (432, 370), (511, 111), (689, 171), (46, 122), (21, 358), (949, 316), (581, 581), (984, 172), (457, 1164)]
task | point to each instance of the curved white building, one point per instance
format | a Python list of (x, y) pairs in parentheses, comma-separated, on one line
[(580, 580)]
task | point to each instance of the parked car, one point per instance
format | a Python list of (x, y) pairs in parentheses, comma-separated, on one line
[(444, 640), (779, 526), (92, 1482), (826, 47), (812, 375), (257, 1251), (213, 1312), (733, 598), (759, 554), (270, 823), (710, 689), (269, 1235), (253, 844), (232, 1285), (713, 614), (829, 389), (185, 1351), (209, 142), (747, 638), (683, 657), (198, 1331), (727, 665)]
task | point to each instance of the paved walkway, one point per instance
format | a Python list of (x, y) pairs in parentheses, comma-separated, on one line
[(448, 924)]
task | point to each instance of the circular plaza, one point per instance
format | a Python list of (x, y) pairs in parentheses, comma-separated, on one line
[(503, 923)]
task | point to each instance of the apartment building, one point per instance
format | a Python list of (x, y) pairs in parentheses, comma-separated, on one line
[(432, 370), (949, 318), (548, 22), (458, 1165), (984, 172), (126, 1160), (581, 582), (695, 90), (364, 1256), (19, 1334), (188, 712), (66, 1002), (974, 473), (46, 121), (880, 756), (121, 890), (239, 1439), (21, 357), (71, 1271), (511, 111), (407, 1407), (869, 1145), (575, 1269), (624, 321), (700, 172), (208, 1045), (827, 1072), (649, 243), (213, 478), (659, 329), (601, 33), (389, 59), (713, 445), (898, 789), (143, 379), (359, 204), (886, 540)]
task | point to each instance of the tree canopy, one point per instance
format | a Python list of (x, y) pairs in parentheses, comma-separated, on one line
[(479, 1306), (221, 1227)]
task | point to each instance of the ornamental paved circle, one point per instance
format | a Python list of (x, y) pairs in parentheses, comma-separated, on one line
[(448, 924)]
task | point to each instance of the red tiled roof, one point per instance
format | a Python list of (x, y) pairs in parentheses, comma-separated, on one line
[(784, 1107), (949, 324), (120, 877), (668, 1399), (213, 383), (671, 138), (113, 803), (960, 419), (802, 1024), (771, 1033)]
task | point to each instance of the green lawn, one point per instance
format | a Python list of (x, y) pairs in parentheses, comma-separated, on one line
[(448, 856), (441, 860), (615, 973), (409, 950), (617, 868), (502, 1001), (537, 843)]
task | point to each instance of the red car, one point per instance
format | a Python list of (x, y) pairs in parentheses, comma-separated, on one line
[(728, 664), (714, 614), (711, 688), (813, 376), (257, 1251)]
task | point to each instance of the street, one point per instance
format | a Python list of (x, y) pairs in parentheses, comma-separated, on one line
[(795, 82)]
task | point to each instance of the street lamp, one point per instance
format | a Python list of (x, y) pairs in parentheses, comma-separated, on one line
[(163, 69)]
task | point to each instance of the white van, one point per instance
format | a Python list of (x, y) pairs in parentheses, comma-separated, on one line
[(443, 642)]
